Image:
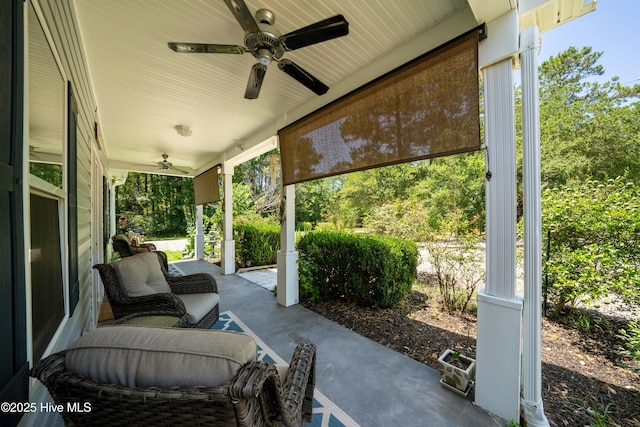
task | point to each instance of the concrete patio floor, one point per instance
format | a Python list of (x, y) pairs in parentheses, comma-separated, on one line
[(374, 385)]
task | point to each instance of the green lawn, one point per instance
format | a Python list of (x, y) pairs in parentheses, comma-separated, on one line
[(173, 255)]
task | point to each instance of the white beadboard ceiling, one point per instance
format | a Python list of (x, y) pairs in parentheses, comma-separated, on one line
[(143, 89)]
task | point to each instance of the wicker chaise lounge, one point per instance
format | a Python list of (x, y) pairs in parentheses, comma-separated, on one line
[(202, 378), (141, 283)]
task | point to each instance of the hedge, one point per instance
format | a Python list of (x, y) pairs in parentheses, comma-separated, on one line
[(256, 244), (375, 271)]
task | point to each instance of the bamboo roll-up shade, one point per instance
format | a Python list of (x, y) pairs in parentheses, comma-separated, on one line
[(205, 187), (426, 108)]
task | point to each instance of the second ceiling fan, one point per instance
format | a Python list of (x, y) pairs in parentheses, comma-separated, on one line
[(266, 44)]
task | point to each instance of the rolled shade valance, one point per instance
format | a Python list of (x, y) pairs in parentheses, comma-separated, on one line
[(426, 108)]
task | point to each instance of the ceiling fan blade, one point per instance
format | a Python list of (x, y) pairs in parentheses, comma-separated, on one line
[(298, 73), (243, 16), (321, 31), (179, 169), (255, 81), (206, 48)]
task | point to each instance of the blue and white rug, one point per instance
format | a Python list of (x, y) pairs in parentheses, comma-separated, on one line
[(325, 412), (175, 271)]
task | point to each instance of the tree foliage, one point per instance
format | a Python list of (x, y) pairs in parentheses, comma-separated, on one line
[(589, 130), (50, 172), (315, 200), (365, 190), (595, 241), (157, 205), (261, 176)]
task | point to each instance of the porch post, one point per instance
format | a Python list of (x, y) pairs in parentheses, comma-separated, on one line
[(112, 212), (199, 238), (287, 255), (499, 312), (531, 356), (228, 244), (113, 220)]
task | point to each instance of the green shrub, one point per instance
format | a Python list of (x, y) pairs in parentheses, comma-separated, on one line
[(459, 270), (631, 339), (594, 248), (369, 270), (256, 244)]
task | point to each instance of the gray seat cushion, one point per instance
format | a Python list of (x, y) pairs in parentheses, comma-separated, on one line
[(138, 356)]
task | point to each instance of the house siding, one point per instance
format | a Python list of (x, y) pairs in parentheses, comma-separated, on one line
[(60, 20)]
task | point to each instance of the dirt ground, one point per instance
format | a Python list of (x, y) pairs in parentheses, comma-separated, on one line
[(585, 379)]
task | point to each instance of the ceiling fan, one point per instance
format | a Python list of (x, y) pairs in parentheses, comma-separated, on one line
[(45, 154), (266, 44), (166, 165), (34, 153)]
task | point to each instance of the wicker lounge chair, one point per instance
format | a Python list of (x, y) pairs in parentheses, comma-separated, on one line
[(141, 283), (124, 248), (253, 395)]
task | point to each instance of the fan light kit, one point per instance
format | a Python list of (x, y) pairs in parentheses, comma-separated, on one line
[(166, 165), (266, 44), (183, 130)]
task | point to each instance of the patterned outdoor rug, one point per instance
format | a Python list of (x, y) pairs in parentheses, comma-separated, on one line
[(175, 271), (325, 412)]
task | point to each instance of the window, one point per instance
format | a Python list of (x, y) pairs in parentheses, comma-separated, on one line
[(49, 197), (47, 285), (46, 107)]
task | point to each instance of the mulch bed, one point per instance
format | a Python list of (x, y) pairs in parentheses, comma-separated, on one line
[(582, 372)]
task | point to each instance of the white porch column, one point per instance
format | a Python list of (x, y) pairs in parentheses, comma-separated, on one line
[(287, 255), (499, 312), (113, 219), (199, 238), (112, 212), (531, 356), (228, 248)]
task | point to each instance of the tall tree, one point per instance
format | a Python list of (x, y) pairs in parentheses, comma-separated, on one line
[(156, 204), (262, 176), (454, 186), (364, 190), (589, 130), (316, 199)]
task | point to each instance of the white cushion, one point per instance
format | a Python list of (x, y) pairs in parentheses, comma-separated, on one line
[(141, 274), (138, 356), (198, 305)]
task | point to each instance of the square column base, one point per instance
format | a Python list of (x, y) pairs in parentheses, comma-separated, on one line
[(288, 292), (498, 360), (228, 263)]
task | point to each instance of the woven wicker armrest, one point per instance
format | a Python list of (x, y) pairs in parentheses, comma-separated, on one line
[(300, 381), (48, 367), (165, 302), (197, 283), (290, 404)]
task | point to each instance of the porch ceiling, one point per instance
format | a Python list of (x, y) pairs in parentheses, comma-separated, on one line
[(143, 89)]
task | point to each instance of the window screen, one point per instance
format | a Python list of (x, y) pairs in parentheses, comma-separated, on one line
[(426, 108), (47, 289)]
